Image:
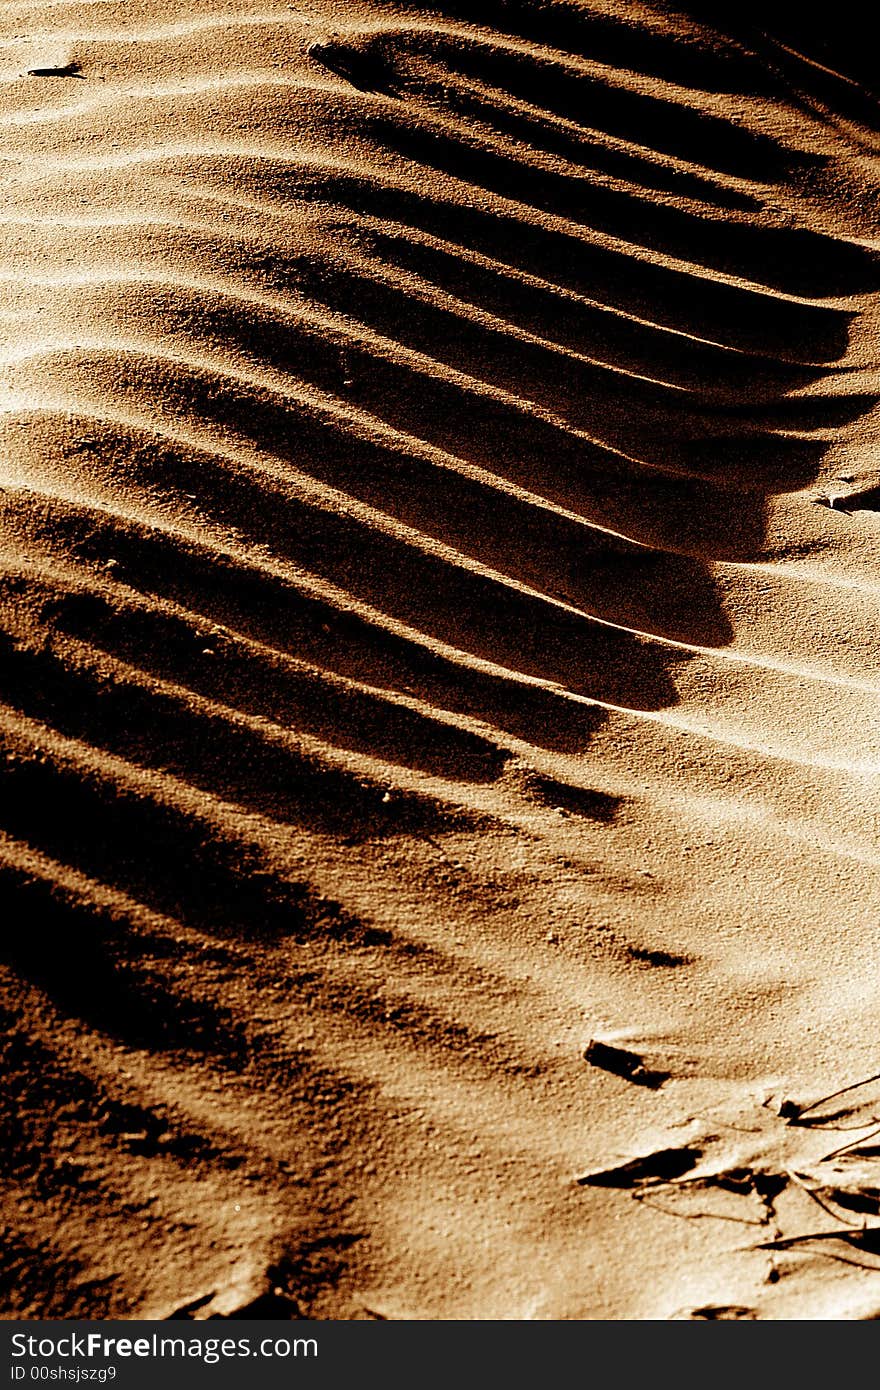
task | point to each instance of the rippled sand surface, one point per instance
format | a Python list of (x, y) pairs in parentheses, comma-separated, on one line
[(439, 694)]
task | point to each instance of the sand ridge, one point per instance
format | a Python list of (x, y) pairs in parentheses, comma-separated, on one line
[(438, 630)]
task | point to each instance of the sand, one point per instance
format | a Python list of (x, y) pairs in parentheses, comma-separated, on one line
[(440, 464)]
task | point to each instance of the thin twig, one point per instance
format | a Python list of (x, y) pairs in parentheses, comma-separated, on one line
[(696, 1215), (844, 1260), (785, 1242), (815, 1197), (453, 864), (844, 1090), (853, 1144)]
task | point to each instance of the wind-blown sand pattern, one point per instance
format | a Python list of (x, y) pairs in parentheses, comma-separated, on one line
[(440, 482)]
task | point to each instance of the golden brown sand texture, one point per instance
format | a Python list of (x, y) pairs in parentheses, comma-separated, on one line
[(439, 738)]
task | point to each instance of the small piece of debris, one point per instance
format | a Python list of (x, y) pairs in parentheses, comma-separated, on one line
[(731, 1312), (373, 1313), (63, 70), (628, 1065)]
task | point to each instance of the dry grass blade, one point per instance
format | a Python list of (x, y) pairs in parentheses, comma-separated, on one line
[(853, 1144), (814, 1197), (794, 1113)]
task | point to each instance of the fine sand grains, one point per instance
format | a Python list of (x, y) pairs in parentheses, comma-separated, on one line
[(439, 729)]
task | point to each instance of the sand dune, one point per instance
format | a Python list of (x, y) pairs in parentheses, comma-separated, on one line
[(439, 498)]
